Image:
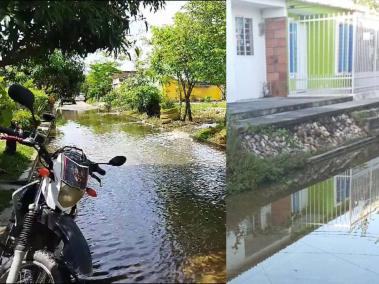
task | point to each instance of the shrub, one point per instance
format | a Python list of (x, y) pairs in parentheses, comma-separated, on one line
[(110, 99), (41, 102), (41, 99), (6, 106), (23, 118), (144, 98), (208, 99), (167, 103)]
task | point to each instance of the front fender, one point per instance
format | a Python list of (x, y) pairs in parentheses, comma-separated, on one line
[(76, 253)]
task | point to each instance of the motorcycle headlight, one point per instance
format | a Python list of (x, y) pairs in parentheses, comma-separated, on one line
[(68, 196)]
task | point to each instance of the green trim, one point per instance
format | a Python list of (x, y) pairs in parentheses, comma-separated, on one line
[(304, 8)]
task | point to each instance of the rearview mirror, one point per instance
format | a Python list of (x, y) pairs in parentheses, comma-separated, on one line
[(22, 95), (117, 161)]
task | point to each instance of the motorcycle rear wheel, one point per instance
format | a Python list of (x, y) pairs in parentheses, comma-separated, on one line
[(41, 267)]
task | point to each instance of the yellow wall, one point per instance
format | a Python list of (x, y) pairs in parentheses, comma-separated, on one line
[(171, 90)]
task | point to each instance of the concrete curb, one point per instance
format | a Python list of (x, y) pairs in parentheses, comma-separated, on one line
[(268, 110), (343, 149), (288, 119)]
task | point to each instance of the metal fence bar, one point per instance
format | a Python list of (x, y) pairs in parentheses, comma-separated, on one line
[(334, 53)]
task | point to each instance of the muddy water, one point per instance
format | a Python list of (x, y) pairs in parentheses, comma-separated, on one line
[(325, 232), (161, 216)]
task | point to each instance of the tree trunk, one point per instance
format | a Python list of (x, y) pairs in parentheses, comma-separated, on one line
[(180, 101), (222, 89), (187, 90), (188, 108)]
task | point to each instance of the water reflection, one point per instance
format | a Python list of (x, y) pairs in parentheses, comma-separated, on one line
[(160, 217), (326, 232)]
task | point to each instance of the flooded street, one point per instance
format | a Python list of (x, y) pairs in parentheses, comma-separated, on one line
[(325, 232), (157, 215)]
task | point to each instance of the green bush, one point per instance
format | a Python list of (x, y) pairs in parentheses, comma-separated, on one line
[(6, 105), (167, 103), (41, 102), (23, 118), (110, 99), (207, 99), (143, 98), (41, 99)]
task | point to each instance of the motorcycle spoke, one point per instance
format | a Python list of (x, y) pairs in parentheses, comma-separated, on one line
[(43, 277), (25, 276)]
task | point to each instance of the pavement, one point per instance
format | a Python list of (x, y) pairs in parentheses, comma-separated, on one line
[(79, 106), (286, 118), (264, 106)]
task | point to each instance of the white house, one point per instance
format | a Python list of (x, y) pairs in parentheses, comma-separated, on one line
[(301, 48), (246, 47)]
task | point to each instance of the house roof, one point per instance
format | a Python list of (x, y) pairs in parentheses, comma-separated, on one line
[(123, 74)]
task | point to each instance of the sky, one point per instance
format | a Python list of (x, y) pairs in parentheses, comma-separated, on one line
[(160, 18)]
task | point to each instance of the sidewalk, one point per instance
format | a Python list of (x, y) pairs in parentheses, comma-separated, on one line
[(281, 119), (79, 106)]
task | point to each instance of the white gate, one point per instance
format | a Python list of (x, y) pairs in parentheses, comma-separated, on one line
[(333, 54), (366, 69)]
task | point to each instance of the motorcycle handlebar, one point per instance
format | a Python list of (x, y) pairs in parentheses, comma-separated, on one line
[(96, 168), (9, 131), (100, 170)]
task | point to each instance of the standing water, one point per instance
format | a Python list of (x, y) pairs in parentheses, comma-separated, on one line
[(325, 232), (161, 216)]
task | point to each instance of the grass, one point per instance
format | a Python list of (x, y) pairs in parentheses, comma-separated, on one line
[(207, 111), (247, 171), (214, 135), (14, 165)]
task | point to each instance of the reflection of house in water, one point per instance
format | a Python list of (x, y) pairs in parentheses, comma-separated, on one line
[(340, 201)]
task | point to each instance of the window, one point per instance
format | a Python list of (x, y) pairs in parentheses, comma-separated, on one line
[(345, 48), (293, 48), (244, 34)]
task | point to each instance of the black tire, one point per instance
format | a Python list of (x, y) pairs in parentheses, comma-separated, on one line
[(43, 260)]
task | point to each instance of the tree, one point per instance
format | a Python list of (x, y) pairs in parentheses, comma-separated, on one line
[(6, 105), (210, 20), (186, 51), (372, 4), (34, 29), (61, 75), (99, 80), (140, 93)]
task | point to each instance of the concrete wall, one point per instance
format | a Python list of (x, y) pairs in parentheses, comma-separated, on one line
[(172, 91)]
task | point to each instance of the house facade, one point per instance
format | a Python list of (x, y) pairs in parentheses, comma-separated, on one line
[(120, 77), (301, 48), (247, 22)]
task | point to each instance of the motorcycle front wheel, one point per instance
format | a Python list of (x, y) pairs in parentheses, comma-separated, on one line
[(41, 267)]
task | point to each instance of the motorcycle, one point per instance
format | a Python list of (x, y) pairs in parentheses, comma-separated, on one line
[(43, 244)]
